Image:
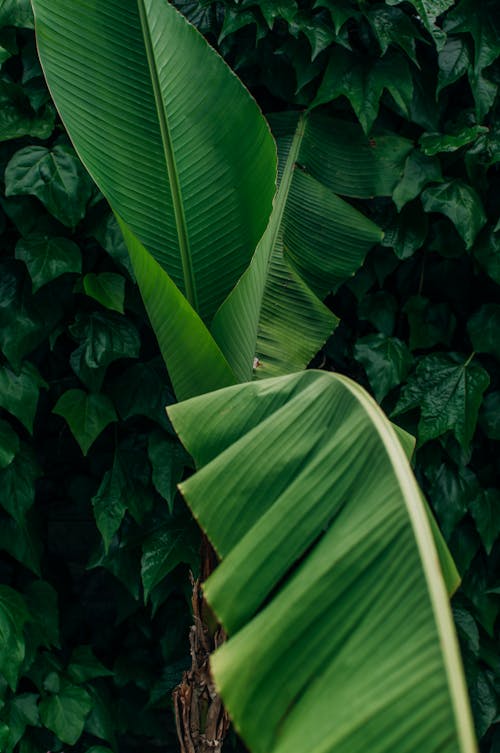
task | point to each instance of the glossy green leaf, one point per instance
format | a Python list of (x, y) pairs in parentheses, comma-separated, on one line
[(386, 361), (460, 203), (392, 26), (428, 12), (19, 392), (87, 415), (164, 549), (17, 484), (453, 61), (108, 288), (47, 258), (104, 337), (448, 391), (434, 143), (13, 617), (318, 541), (485, 510), (487, 252), (17, 116), (16, 13), (314, 241), (193, 358), (407, 231), (55, 176), (363, 85), (64, 713), (419, 170), (483, 328), (22, 540), (21, 711), (168, 460), (197, 192), (9, 444)]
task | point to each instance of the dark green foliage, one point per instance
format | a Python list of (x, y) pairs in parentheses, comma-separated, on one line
[(96, 546)]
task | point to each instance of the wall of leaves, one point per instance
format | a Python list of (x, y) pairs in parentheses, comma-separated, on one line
[(95, 547)]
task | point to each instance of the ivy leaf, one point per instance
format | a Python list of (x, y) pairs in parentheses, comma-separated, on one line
[(168, 460), (489, 417), (386, 361), (16, 13), (340, 11), (108, 288), (363, 84), (460, 203), (109, 235), (48, 257), (87, 415), (119, 491), (483, 329), (64, 713), (448, 393), (393, 26), (104, 337), (20, 712), (434, 143), (17, 483), (9, 444), (19, 392), (55, 176), (84, 665), (22, 541), (430, 323), (429, 11), (142, 390), (485, 510), (13, 616), (407, 233), (17, 116), (451, 493), (453, 61), (164, 549), (418, 172)]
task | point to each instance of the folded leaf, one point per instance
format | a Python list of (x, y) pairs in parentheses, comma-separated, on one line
[(340, 632)]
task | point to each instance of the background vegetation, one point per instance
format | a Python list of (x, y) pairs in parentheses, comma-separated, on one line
[(96, 548)]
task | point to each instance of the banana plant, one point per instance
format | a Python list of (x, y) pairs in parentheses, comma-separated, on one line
[(333, 580)]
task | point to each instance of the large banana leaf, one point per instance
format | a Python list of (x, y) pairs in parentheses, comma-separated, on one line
[(194, 360), (340, 633), (314, 241), (167, 131)]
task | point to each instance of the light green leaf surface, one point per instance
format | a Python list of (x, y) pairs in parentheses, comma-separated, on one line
[(87, 415), (64, 713), (167, 131), (313, 242), (194, 361), (338, 618), (108, 288)]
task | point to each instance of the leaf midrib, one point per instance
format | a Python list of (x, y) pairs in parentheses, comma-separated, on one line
[(175, 187)]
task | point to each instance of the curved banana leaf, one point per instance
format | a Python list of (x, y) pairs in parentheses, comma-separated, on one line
[(169, 134), (314, 241), (340, 633), (194, 361)]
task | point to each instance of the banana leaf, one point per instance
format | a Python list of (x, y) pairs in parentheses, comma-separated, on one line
[(169, 134), (340, 633)]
